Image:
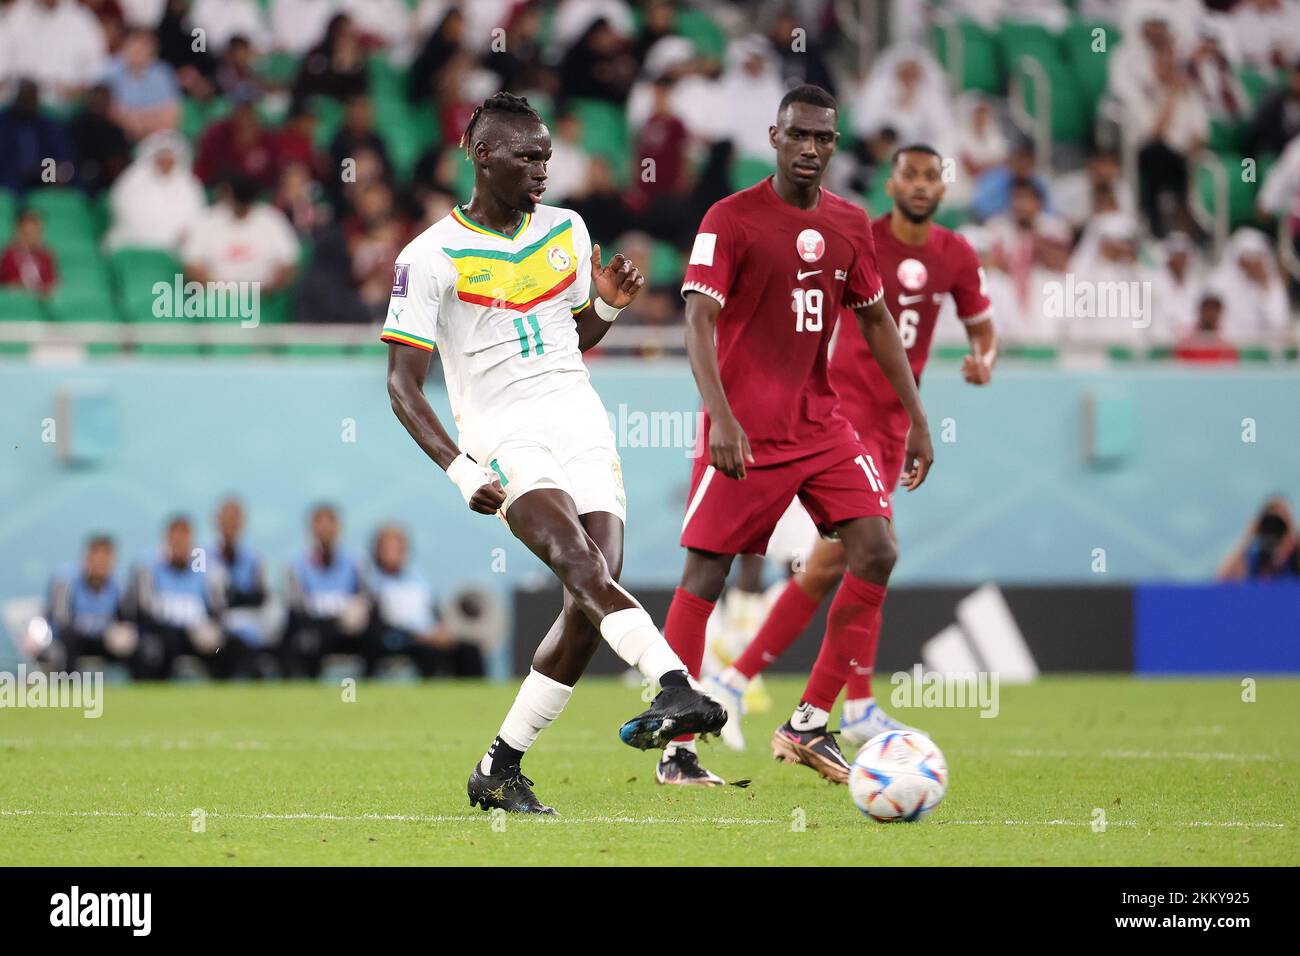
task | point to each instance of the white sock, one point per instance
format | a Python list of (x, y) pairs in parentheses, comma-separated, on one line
[(676, 745), (634, 637), (539, 701), (855, 709), (808, 717), (734, 679)]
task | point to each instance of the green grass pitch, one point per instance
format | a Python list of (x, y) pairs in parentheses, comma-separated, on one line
[(1185, 772)]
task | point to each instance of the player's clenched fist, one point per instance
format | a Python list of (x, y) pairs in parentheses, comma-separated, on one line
[(478, 486), (729, 447), (617, 283), (918, 457)]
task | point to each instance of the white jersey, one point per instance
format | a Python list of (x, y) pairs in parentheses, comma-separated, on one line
[(500, 311)]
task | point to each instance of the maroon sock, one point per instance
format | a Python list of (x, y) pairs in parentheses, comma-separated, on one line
[(854, 615), (786, 621)]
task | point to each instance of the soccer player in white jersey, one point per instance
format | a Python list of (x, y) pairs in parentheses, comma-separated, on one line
[(500, 287)]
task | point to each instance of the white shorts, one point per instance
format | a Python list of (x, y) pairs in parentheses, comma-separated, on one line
[(593, 478)]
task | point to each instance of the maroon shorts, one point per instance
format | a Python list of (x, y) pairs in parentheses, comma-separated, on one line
[(729, 516), (888, 451)]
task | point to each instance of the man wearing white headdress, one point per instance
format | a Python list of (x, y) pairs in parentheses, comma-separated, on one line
[(157, 200), (751, 88), (1176, 288), (1112, 288), (1255, 303), (908, 91)]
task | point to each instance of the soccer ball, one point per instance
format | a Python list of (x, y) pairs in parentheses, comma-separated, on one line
[(898, 775)]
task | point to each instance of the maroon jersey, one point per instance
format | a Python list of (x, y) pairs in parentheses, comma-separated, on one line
[(782, 274), (916, 279)]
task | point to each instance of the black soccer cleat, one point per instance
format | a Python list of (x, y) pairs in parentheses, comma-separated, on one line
[(682, 768), (676, 711), (813, 748), (507, 789)]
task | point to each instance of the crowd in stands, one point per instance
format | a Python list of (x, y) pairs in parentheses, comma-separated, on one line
[(212, 610), (301, 143)]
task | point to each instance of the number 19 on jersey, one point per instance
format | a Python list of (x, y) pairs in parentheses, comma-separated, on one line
[(807, 308)]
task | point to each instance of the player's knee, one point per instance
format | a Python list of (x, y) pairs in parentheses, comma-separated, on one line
[(580, 567), (820, 578), (874, 561)]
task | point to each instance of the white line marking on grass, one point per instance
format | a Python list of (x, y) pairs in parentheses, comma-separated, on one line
[(1125, 754), (599, 820)]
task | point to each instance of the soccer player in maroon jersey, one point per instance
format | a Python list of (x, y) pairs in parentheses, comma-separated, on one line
[(921, 263), (771, 268)]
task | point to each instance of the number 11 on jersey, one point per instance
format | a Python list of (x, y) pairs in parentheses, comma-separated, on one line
[(523, 337), (808, 310)]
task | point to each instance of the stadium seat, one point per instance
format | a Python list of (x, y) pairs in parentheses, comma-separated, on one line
[(665, 265), (1090, 67), (747, 170), (981, 63), (604, 133), (1241, 194), (698, 27), (329, 115), (77, 301), (135, 272), (60, 206), (8, 207), (19, 305)]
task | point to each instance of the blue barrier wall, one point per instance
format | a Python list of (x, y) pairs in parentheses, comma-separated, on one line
[(1246, 629), (1011, 498)]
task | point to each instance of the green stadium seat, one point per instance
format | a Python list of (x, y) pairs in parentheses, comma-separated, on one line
[(197, 116), (77, 302), (135, 272), (747, 170), (1257, 82), (1072, 112), (604, 133), (1241, 194), (665, 266), (60, 206), (981, 62), (19, 305), (1091, 68), (698, 27), (385, 78), (8, 208), (329, 116), (278, 69)]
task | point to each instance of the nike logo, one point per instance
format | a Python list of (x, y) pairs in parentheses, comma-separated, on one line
[(909, 299), (804, 275), (884, 503)]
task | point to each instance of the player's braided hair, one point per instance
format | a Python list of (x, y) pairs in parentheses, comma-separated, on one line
[(502, 102)]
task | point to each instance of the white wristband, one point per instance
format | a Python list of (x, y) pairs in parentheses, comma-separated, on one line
[(468, 475), (605, 310)]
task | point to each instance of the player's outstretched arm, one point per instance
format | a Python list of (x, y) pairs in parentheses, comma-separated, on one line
[(407, 368), (617, 284), (886, 345), (977, 368), (728, 443)]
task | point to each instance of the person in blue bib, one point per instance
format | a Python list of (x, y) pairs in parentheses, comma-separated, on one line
[(84, 611), (176, 600), (329, 604), (244, 592)]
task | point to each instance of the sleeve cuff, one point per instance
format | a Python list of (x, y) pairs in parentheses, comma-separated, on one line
[(863, 303), (977, 318), (404, 338), (707, 290)]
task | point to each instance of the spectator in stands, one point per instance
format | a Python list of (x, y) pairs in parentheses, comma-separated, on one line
[(243, 580), (424, 79), (1203, 343), (239, 145), (146, 97), (1213, 67), (1269, 549), (659, 156), (404, 620), (1253, 292), (335, 67), (158, 201), (1105, 267), (997, 286), (26, 261), (329, 606), (375, 236), (751, 89), (112, 20), (84, 611), (385, 25), (696, 96), (1149, 29), (799, 56), (575, 18), (357, 135), (35, 150), (907, 90), (601, 206), (194, 64), (1277, 120), (99, 146), (236, 73), (224, 20), (302, 200), (1047, 278), (979, 147), (1015, 232), (993, 190), (1169, 121), (175, 601), (299, 25), (568, 168), (1176, 289), (327, 292), (57, 43), (517, 61), (1280, 194), (242, 239), (295, 144), (599, 64), (1079, 194), (1267, 32)]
